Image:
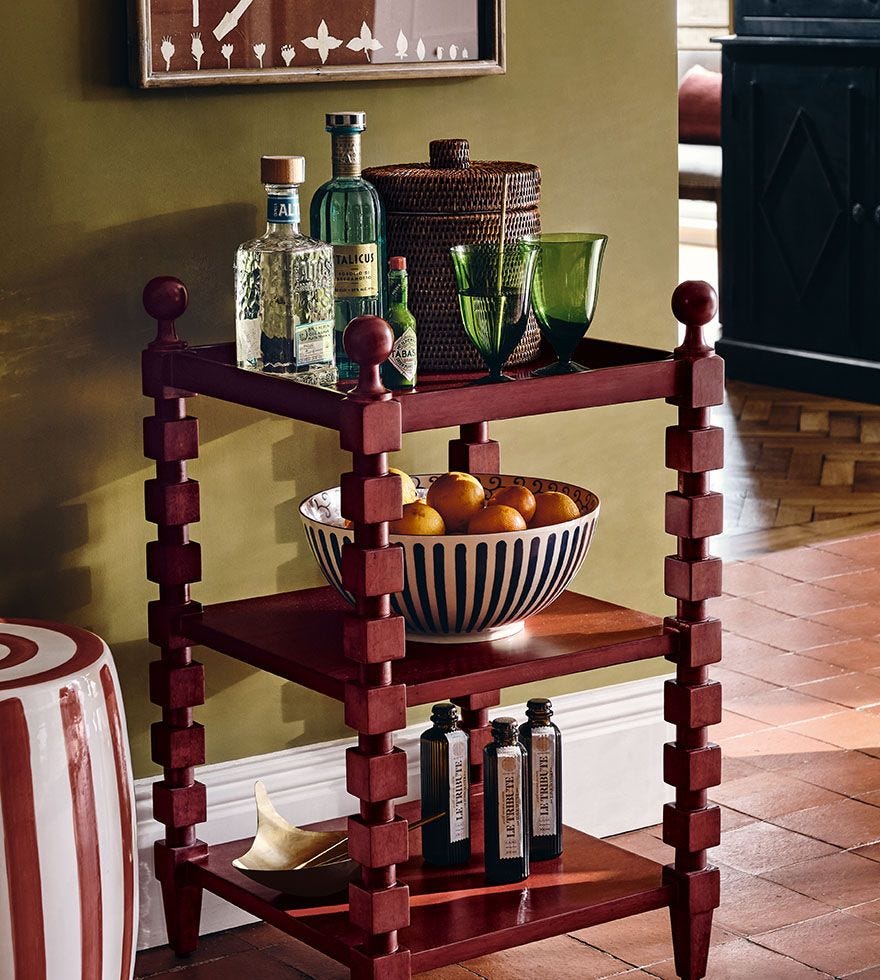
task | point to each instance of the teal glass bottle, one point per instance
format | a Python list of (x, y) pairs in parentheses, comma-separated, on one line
[(346, 212), (399, 371), (443, 752), (543, 744), (505, 805)]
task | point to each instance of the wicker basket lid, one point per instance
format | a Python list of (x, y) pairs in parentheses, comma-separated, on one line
[(452, 183)]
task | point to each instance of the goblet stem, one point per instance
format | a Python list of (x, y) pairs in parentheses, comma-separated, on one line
[(494, 376)]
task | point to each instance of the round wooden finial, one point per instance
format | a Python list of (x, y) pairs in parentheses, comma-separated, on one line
[(694, 303), (368, 341), (165, 299)]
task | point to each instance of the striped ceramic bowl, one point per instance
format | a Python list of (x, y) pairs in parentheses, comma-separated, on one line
[(462, 588)]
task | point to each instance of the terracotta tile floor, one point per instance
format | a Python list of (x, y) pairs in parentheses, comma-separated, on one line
[(801, 797)]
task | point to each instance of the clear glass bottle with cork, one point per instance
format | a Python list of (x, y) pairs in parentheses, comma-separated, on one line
[(284, 313), (505, 805), (347, 213), (543, 744), (399, 371), (443, 750)]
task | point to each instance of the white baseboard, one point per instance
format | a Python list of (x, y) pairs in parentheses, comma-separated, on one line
[(613, 738)]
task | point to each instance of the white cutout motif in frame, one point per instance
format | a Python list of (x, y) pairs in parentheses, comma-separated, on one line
[(364, 42), (323, 42), (204, 42)]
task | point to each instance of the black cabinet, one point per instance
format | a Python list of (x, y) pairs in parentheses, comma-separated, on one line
[(800, 304), (808, 18)]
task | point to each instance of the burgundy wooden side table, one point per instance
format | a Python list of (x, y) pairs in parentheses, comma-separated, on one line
[(401, 917)]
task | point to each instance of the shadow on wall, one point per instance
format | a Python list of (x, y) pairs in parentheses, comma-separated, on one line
[(71, 333)]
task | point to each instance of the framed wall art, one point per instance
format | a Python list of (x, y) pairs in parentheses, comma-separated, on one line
[(215, 42)]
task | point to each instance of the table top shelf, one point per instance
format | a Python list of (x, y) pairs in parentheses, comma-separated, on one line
[(454, 913), (619, 373), (298, 636)]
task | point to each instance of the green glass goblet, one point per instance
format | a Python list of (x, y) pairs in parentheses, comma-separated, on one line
[(565, 291), (494, 297)]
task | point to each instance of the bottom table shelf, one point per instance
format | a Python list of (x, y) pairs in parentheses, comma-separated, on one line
[(455, 914)]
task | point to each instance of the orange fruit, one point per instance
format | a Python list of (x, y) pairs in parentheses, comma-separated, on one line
[(409, 488), (517, 497), (418, 518), (491, 520), (457, 496), (553, 507)]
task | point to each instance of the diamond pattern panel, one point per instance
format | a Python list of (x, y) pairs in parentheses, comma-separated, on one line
[(801, 204)]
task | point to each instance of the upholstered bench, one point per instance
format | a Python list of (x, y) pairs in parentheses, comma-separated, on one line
[(699, 139)]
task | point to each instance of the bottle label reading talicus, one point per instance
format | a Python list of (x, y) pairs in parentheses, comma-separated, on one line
[(459, 818), (404, 354), (357, 270), (544, 802), (510, 815)]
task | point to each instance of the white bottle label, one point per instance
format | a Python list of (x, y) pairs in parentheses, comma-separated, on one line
[(404, 354), (247, 340), (314, 343), (510, 814), (459, 817), (544, 801)]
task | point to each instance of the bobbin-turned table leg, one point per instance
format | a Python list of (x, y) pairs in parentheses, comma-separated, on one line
[(692, 764), (475, 721), (177, 684), (374, 638), (474, 451)]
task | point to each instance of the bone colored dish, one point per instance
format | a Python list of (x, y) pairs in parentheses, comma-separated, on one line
[(280, 853), (464, 588)]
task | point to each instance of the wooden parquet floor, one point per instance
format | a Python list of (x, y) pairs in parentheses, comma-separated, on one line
[(798, 468)]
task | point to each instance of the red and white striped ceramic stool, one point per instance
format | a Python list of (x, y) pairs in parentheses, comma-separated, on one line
[(68, 901)]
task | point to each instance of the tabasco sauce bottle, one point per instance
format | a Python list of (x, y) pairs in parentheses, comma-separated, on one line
[(444, 777), (399, 371), (505, 805)]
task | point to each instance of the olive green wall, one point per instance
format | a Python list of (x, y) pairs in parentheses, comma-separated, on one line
[(105, 187)]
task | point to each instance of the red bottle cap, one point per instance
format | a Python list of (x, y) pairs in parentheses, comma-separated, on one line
[(397, 263)]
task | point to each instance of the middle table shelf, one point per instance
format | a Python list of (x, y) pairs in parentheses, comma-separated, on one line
[(298, 636)]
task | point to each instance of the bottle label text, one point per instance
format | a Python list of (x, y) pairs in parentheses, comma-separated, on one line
[(282, 210), (357, 270), (544, 777), (510, 803), (459, 818)]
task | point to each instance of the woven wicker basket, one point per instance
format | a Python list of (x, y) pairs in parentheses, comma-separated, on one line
[(453, 201)]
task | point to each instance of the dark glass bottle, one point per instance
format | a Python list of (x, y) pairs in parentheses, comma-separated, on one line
[(543, 744), (505, 805), (444, 764), (399, 371)]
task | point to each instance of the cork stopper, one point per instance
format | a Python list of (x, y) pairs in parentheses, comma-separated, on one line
[(282, 170), (505, 731), (445, 715), (539, 709)]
